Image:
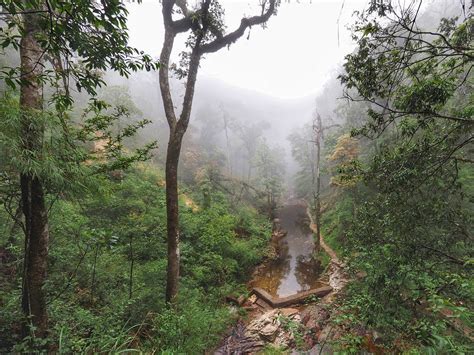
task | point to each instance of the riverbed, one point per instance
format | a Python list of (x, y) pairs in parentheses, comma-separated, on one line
[(294, 269)]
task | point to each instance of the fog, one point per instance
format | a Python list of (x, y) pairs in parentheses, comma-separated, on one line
[(266, 85), (291, 58)]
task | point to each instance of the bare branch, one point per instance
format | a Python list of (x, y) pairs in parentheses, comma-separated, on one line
[(228, 39)]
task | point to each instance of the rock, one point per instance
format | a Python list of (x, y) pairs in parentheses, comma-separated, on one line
[(311, 323), (288, 311), (252, 299), (323, 336), (283, 341), (239, 343), (320, 349), (265, 327), (296, 318), (264, 330), (315, 317), (269, 332)]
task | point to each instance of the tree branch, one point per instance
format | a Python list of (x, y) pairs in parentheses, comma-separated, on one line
[(245, 23), (164, 74), (182, 25), (193, 69)]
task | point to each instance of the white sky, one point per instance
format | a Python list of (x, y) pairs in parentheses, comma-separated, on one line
[(291, 58)]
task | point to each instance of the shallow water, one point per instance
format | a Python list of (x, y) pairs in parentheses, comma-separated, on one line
[(295, 269)]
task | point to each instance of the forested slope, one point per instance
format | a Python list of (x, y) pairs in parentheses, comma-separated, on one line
[(138, 199)]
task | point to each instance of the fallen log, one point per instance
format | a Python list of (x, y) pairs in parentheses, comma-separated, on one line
[(277, 302)]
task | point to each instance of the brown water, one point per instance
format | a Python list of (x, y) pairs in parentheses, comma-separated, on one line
[(295, 269)]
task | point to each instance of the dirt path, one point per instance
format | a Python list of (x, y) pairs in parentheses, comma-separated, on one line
[(337, 276), (328, 250)]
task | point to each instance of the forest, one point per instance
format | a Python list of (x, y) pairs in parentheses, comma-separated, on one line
[(236, 176)]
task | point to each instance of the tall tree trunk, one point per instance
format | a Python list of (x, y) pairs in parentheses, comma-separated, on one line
[(199, 23), (229, 163), (172, 212), (177, 130), (318, 198), (132, 262), (94, 272), (32, 193), (318, 130)]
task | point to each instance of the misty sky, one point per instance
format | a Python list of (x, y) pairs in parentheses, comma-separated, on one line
[(291, 58)]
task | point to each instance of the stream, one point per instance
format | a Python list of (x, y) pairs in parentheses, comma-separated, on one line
[(295, 269)]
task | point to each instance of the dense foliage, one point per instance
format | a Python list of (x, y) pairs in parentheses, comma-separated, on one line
[(108, 268), (403, 206), (395, 162)]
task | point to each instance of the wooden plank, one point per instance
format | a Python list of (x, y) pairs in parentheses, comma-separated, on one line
[(263, 304), (277, 302)]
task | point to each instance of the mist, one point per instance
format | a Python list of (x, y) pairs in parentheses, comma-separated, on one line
[(267, 82), (236, 176), (266, 86)]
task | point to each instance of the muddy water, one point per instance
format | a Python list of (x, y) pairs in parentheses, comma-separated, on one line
[(295, 269)]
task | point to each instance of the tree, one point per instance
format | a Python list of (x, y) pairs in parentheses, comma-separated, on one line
[(48, 36), (206, 28), (316, 176), (269, 177), (250, 135), (318, 135), (405, 71), (411, 235), (32, 192), (301, 150), (344, 156), (227, 120), (306, 150)]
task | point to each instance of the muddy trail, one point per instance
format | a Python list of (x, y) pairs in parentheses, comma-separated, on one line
[(289, 306)]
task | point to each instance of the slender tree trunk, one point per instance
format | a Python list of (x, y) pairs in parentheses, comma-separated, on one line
[(172, 160), (318, 197), (32, 194), (229, 163), (94, 273), (132, 261), (177, 130), (200, 23), (35, 255), (316, 171)]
